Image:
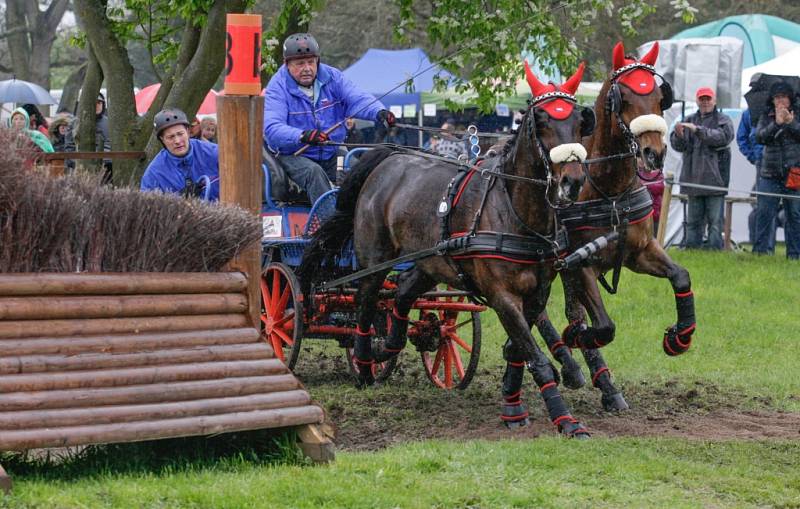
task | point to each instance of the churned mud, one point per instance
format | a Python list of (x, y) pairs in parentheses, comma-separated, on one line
[(409, 408)]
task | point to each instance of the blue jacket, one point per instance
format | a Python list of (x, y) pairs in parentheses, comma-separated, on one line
[(288, 111), (168, 173), (746, 139)]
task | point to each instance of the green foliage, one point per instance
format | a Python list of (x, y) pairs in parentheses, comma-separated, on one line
[(293, 13), (483, 42)]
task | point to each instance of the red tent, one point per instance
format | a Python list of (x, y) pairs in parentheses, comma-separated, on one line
[(146, 95)]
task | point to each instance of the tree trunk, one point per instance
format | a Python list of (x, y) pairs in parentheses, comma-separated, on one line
[(84, 136), (34, 33), (191, 83)]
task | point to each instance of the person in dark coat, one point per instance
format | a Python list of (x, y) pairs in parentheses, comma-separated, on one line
[(61, 137), (778, 130), (703, 139)]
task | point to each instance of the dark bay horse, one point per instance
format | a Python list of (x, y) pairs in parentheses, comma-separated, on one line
[(392, 204), (629, 112)]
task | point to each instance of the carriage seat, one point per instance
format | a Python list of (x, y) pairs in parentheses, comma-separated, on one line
[(282, 189)]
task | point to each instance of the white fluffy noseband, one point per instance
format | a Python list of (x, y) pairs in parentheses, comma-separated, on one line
[(568, 152), (645, 123)]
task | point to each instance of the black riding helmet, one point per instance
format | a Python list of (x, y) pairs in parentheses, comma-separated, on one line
[(300, 45), (167, 118)]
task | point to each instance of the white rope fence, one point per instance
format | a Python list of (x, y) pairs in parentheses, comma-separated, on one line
[(672, 181)]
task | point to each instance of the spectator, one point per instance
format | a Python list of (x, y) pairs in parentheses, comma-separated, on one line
[(448, 144), (20, 122), (703, 139), (102, 137), (195, 130), (306, 104), (208, 130), (752, 151), (61, 137), (38, 121), (779, 131), (180, 167)]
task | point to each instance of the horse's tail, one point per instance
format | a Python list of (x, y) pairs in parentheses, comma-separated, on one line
[(332, 235)]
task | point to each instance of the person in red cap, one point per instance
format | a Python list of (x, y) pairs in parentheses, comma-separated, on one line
[(704, 140)]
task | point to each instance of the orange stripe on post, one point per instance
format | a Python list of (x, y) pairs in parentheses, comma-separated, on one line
[(243, 54)]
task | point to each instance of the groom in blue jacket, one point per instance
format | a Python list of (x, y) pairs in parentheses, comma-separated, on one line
[(184, 166), (306, 104)]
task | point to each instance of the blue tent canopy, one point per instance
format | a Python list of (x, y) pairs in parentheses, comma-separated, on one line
[(380, 71)]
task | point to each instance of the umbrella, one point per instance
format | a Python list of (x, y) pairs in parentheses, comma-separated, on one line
[(146, 95), (758, 95), (24, 92)]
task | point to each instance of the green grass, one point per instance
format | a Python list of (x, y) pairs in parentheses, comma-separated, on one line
[(746, 346), (546, 472)]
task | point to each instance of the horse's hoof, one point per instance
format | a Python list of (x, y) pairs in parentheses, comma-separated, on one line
[(365, 381), (572, 375), (676, 343), (517, 424), (574, 429), (614, 402)]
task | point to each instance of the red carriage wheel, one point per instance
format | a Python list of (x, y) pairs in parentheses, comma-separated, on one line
[(382, 370), (282, 312), (455, 360)]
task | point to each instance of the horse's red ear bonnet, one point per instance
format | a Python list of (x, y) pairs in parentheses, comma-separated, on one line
[(641, 81), (557, 100)]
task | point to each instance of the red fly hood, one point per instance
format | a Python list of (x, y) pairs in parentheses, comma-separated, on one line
[(641, 81), (556, 100)]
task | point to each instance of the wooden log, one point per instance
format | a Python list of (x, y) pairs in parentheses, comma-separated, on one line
[(241, 180), (120, 306), (141, 375), (128, 413), (155, 393), (5, 481), (315, 444), (118, 344), (19, 329), (45, 363), (109, 283), (152, 430)]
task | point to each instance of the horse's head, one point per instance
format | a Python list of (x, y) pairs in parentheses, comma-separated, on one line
[(559, 127), (638, 104)]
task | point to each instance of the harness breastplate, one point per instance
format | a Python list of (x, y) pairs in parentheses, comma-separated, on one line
[(602, 213)]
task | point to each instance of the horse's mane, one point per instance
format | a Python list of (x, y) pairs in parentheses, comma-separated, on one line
[(602, 116)]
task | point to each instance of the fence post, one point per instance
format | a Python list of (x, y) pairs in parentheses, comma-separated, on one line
[(666, 198), (240, 119)]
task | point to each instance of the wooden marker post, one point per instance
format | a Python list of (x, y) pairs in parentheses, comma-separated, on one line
[(240, 115)]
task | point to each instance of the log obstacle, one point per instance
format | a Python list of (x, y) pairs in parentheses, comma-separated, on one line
[(103, 358)]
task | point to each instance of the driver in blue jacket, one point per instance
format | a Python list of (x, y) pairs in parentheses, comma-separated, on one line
[(307, 103), (184, 166)]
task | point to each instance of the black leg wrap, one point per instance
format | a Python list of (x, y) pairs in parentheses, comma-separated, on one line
[(578, 335), (678, 338), (363, 359), (611, 399), (570, 370), (558, 413), (512, 378), (383, 350), (515, 413)]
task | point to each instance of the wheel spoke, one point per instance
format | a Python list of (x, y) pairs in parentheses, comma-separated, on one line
[(286, 339), (459, 325), (448, 367), (463, 344), (285, 319), (277, 346), (436, 363), (457, 360), (265, 295), (287, 291), (276, 288)]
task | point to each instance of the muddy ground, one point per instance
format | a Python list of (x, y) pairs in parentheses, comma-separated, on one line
[(408, 408)]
